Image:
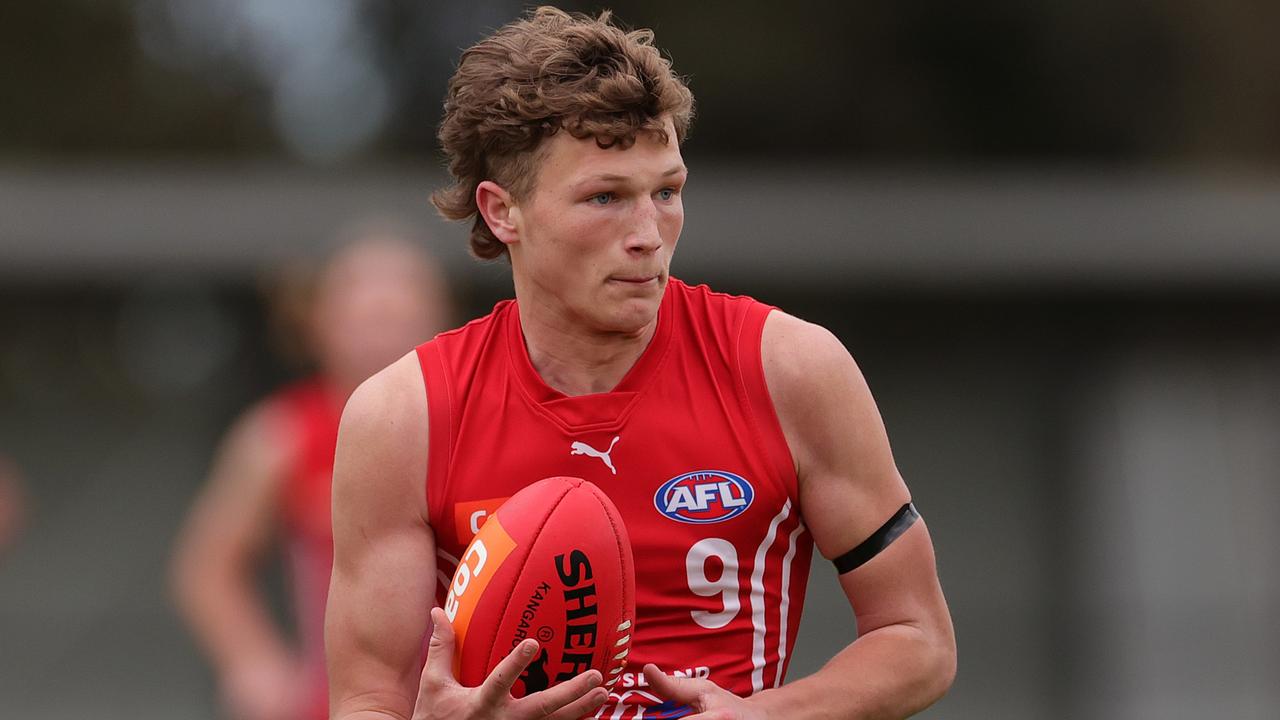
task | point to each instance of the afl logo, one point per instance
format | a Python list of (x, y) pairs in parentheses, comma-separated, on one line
[(704, 496)]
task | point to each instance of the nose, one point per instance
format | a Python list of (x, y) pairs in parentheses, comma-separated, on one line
[(644, 237)]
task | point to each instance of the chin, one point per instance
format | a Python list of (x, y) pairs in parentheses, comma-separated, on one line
[(630, 317)]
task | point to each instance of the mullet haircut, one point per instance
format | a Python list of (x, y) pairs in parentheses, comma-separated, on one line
[(547, 72)]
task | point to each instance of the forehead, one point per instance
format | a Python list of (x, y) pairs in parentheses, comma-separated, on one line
[(375, 262), (569, 160)]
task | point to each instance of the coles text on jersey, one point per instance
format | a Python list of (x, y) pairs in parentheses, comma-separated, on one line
[(704, 496)]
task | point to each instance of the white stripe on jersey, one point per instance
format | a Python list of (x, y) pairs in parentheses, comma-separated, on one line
[(445, 577), (786, 600), (757, 600)]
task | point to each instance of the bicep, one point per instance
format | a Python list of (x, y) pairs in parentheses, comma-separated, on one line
[(849, 483), (384, 572), (379, 599), (899, 586)]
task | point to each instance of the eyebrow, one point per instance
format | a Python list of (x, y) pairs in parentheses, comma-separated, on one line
[(609, 177)]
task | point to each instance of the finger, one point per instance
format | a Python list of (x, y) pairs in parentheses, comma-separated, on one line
[(439, 667), (499, 683), (552, 700), (681, 690), (717, 714), (585, 706)]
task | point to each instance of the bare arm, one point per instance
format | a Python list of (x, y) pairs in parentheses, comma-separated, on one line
[(384, 569), (216, 563), (904, 657), (384, 578)]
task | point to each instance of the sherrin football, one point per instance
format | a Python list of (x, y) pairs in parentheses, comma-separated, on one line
[(553, 563)]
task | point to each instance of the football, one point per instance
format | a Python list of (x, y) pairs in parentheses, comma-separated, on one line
[(553, 563)]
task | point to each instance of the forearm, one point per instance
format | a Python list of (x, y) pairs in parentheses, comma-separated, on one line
[(891, 672), (363, 693), (229, 619), (375, 622), (348, 713)]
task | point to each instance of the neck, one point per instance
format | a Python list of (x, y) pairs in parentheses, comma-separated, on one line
[(577, 361)]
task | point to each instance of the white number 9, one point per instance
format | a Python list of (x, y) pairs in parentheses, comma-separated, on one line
[(725, 586)]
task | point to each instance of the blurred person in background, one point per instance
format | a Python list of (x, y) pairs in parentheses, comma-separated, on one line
[(12, 504), (377, 296)]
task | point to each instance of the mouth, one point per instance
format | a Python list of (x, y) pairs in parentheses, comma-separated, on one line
[(635, 280)]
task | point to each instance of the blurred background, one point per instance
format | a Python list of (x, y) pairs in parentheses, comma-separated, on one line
[(1049, 232)]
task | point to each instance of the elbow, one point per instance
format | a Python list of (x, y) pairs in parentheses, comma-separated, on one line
[(946, 670), (941, 667), (197, 573), (933, 669)]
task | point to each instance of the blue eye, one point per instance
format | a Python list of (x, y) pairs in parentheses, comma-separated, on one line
[(601, 198), (667, 193)]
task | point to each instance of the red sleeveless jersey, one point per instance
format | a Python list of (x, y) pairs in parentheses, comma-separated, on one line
[(688, 447), (310, 412)]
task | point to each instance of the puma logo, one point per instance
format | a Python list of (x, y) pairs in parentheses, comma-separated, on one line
[(581, 448), (535, 677)]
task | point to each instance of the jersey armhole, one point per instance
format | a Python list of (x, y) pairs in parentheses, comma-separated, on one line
[(763, 415), (439, 431)]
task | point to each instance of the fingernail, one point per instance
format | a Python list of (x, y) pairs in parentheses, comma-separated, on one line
[(528, 647)]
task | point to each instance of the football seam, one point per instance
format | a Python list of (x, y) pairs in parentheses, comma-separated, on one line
[(506, 604), (621, 558)]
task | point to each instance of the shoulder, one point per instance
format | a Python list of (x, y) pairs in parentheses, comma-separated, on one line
[(382, 441), (480, 326), (848, 480), (802, 359), (389, 406), (703, 295), (263, 436), (723, 323), (459, 349), (822, 400)]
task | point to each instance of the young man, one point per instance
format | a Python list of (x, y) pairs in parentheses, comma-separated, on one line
[(564, 135), (375, 297)]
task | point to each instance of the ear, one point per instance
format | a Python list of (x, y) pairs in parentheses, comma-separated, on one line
[(499, 211)]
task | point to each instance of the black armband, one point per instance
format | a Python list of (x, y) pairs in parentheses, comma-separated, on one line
[(879, 540)]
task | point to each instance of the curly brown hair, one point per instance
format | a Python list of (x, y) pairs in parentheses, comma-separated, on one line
[(545, 72)]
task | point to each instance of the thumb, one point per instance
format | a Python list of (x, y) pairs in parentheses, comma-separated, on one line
[(439, 666), (678, 689)]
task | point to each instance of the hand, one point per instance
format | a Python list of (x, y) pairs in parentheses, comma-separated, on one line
[(441, 697), (263, 689), (708, 700)]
